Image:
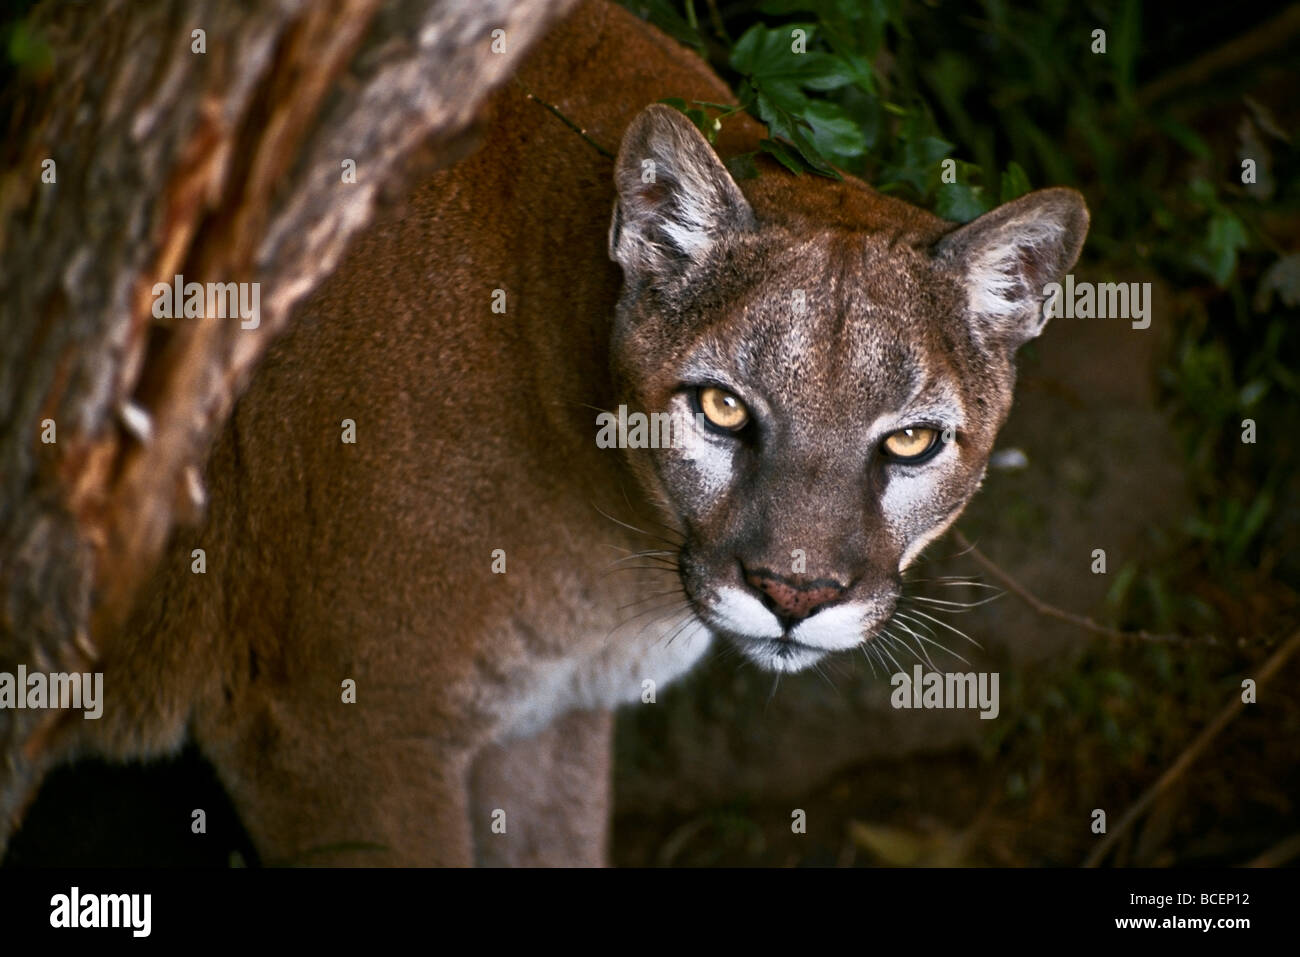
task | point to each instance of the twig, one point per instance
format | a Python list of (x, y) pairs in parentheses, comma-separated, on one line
[(1279, 854), (565, 120), (715, 18), (1192, 752), (1082, 621)]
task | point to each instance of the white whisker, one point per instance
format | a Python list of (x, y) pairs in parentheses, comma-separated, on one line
[(956, 631)]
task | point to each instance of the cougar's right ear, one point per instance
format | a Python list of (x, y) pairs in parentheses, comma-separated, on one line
[(675, 198)]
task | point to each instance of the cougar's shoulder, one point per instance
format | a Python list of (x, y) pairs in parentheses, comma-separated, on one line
[(474, 432)]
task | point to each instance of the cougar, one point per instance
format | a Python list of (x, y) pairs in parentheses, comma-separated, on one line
[(427, 584)]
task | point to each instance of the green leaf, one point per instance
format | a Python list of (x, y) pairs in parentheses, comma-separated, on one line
[(741, 166), (701, 120), (29, 50), (785, 124), (865, 19), (834, 132), (1014, 182), (745, 54), (1226, 236), (664, 15), (766, 56), (918, 155), (1201, 191), (1283, 278), (1249, 524), (1118, 594), (961, 202), (783, 155)]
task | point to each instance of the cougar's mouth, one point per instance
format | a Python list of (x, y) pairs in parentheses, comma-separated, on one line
[(791, 644), (759, 635)]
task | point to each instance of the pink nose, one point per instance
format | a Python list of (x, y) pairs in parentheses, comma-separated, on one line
[(792, 599)]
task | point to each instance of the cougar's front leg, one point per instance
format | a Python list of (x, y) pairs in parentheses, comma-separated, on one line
[(315, 789), (545, 800)]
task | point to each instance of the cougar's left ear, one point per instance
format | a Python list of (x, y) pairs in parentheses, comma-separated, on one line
[(1006, 257), (675, 198)]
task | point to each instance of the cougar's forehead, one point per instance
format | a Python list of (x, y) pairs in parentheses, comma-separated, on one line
[(838, 328)]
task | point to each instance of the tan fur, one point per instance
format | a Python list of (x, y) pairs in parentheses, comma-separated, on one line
[(328, 561)]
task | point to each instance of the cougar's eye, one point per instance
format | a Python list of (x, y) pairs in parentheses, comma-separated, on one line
[(911, 445), (722, 409)]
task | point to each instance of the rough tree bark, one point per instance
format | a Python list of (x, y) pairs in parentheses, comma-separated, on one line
[(221, 166)]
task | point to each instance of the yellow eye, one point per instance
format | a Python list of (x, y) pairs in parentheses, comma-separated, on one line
[(910, 443), (723, 409)]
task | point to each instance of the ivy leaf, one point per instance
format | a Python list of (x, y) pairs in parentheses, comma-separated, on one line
[(1283, 277), (785, 124), (961, 202), (918, 155), (766, 56), (710, 126), (834, 132), (862, 22), (702, 122), (782, 154), (741, 166), (1014, 182), (1226, 236), (664, 15)]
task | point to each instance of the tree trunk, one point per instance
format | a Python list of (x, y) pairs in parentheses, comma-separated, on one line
[(221, 157)]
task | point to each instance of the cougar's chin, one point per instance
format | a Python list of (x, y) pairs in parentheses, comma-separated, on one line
[(781, 655), (787, 646)]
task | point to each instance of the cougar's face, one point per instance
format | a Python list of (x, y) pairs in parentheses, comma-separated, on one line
[(834, 395), (830, 419)]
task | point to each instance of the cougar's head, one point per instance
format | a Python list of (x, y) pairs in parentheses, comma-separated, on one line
[(834, 392)]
